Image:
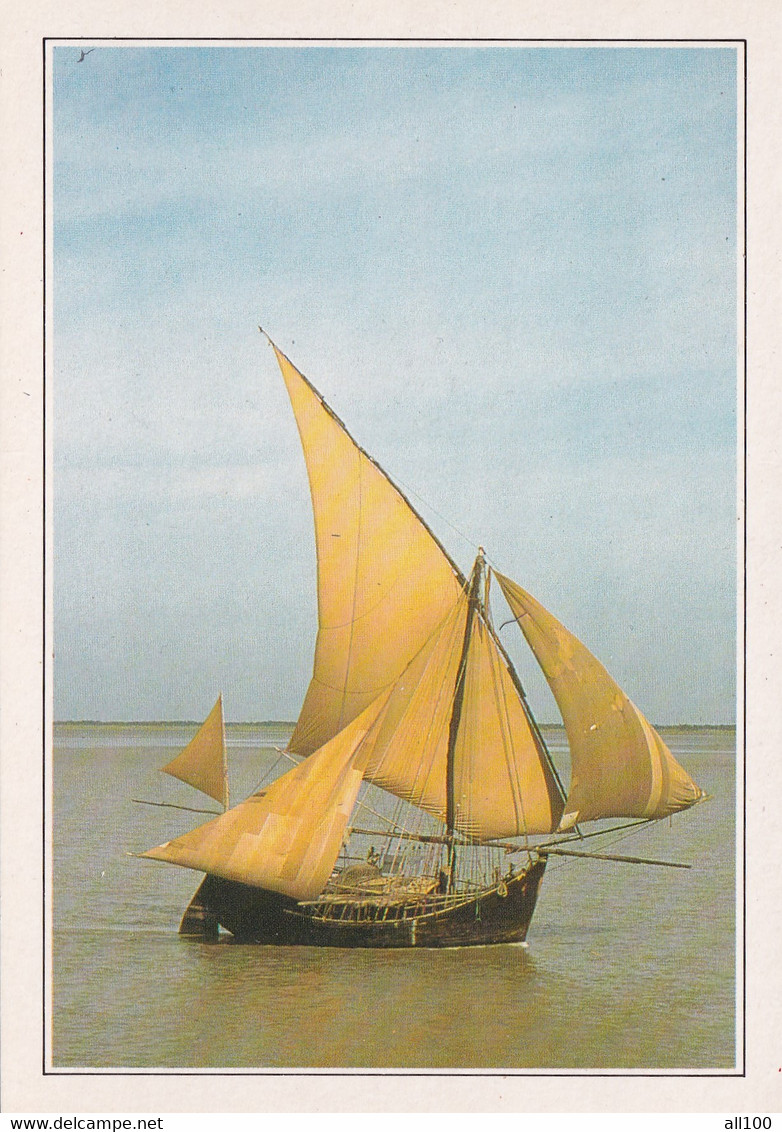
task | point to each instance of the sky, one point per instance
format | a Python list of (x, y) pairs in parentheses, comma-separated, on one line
[(512, 271)]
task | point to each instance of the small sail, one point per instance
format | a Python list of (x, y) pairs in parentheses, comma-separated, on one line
[(620, 765), (384, 582), (203, 761), (286, 838), (503, 786)]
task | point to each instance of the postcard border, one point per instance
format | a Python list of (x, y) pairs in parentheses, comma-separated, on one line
[(740, 1069)]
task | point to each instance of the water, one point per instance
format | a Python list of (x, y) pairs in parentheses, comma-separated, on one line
[(626, 967)]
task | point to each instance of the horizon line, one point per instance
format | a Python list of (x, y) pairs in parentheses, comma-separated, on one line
[(292, 723)]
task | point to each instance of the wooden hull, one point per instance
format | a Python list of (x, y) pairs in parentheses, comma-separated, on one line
[(500, 914)]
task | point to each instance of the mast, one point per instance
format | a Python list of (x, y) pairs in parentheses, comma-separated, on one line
[(456, 714)]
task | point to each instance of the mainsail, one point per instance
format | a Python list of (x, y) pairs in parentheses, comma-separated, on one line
[(384, 582), (620, 767), (202, 763)]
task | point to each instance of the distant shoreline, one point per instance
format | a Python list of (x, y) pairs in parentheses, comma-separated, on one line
[(170, 723), (292, 724)]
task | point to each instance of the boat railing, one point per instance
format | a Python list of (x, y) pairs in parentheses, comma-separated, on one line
[(390, 899)]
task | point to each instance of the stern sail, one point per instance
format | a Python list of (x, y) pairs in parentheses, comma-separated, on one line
[(620, 765)]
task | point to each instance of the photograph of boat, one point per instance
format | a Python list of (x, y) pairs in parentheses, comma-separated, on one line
[(424, 597), (412, 690)]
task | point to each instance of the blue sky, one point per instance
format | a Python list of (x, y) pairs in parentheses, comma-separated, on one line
[(511, 271)]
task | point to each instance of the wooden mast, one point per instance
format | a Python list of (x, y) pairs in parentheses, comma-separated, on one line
[(456, 714)]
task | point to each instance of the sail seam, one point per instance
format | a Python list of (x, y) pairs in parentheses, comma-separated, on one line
[(307, 730), (353, 620)]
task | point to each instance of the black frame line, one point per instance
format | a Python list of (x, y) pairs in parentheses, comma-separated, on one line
[(391, 1072)]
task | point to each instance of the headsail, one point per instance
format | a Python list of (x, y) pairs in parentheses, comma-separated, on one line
[(285, 838), (384, 582), (202, 763), (620, 765)]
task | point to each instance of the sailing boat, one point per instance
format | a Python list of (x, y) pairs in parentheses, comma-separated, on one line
[(416, 723)]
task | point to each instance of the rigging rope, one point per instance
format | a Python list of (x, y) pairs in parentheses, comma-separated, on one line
[(472, 543), (623, 833)]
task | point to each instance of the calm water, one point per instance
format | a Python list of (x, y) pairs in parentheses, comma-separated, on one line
[(626, 966)]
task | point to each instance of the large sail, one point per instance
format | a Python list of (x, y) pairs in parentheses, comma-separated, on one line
[(620, 767), (202, 763), (503, 786), (384, 582), (286, 838)]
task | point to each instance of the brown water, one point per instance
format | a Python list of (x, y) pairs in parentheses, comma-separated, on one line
[(626, 967)]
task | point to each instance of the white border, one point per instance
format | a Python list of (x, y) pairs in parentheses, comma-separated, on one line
[(24, 1087)]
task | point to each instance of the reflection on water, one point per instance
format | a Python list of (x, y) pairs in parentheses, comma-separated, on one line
[(627, 967)]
